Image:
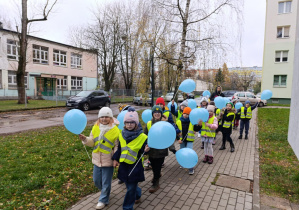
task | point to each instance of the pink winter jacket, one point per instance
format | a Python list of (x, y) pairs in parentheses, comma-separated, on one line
[(101, 159), (212, 126)]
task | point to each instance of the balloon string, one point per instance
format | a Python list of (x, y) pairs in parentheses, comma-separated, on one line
[(136, 163), (86, 152), (175, 94)]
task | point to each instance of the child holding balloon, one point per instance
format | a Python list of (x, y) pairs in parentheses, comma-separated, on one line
[(227, 119), (132, 146), (204, 102), (178, 113), (104, 139), (208, 133), (187, 132)]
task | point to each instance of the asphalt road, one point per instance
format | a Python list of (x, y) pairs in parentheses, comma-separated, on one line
[(20, 121)]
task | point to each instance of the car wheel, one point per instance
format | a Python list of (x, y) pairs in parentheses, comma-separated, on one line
[(86, 106), (261, 104), (107, 104)]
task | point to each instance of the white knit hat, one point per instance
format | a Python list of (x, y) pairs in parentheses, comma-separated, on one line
[(105, 112)]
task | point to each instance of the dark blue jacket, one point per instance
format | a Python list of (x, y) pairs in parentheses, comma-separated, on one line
[(185, 127), (124, 168), (245, 111)]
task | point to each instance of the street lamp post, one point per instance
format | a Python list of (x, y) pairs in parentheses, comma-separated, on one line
[(153, 73)]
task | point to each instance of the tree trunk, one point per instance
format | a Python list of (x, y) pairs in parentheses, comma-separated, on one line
[(22, 56)]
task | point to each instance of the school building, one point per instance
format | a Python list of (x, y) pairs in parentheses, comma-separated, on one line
[(279, 46), (51, 67)]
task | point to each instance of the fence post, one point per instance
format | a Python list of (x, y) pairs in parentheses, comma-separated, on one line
[(123, 95)]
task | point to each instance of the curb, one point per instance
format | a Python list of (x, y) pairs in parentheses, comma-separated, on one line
[(256, 177)]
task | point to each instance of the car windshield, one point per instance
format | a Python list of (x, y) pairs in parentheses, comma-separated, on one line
[(169, 94), (84, 93)]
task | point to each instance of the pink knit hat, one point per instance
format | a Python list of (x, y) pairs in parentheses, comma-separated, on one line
[(211, 108), (131, 117)]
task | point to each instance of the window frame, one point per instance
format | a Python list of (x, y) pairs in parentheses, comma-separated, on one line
[(59, 58), (76, 61), (284, 7), (279, 81), (13, 84), (62, 83), (37, 50), (283, 32), (75, 81), (12, 56), (281, 56)]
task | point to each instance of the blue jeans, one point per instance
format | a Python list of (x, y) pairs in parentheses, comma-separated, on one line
[(187, 144), (246, 124), (102, 177), (133, 193)]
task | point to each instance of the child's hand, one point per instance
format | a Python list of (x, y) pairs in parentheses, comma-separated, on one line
[(146, 149), (259, 100), (180, 141), (200, 122), (115, 163), (207, 124), (82, 137)]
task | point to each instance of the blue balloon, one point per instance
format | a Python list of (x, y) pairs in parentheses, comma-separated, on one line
[(75, 121), (169, 105), (266, 94), (219, 102), (206, 93), (146, 115), (192, 103), (186, 157), (238, 105), (161, 135), (187, 86), (226, 100), (120, 118), (198, 114)]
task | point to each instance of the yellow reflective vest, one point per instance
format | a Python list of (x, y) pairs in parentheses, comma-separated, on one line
[(205, 130), (248, 114), (106, 144), (218, 111), (130, 151), (227, 124), (190, 134)]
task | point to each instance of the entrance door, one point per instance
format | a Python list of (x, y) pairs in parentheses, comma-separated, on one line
[(45, 86)]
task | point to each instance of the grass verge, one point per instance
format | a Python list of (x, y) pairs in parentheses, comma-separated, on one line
[(279, 175), (284, 105), (13, 104)]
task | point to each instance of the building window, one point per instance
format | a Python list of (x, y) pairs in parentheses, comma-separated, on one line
[(281, 56), (12, 80), (284, 7), (59, 58), (283, 32), (40, 54), (76, 83), (280, 81), (13, 49), (62, 83), (76, 61)]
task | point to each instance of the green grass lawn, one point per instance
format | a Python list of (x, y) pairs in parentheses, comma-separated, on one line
[(279, 174), (286, 105), (13, 104)]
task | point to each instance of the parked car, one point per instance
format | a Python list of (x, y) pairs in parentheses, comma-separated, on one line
[(139, 99), (169, 96), (244, 96), (88, 99), (258, 95), (190, 96), (229, 93)]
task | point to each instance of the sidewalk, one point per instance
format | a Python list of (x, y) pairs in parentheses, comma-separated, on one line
[(179, 190)]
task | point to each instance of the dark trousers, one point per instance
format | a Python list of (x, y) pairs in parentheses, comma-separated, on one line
[(133, 193), (246, 124), (226, 136), (157, 166)]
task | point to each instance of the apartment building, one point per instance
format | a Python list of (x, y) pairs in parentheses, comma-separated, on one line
[(51, 67), (279, 45)]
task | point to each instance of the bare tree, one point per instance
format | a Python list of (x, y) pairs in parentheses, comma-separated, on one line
[(23, 39)]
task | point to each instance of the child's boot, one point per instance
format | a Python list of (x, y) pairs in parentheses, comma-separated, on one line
[(240, 137), (205, 159), (232, 147), (202, 145), (223, 145), (210, 160), (246, 136), (155, 186)]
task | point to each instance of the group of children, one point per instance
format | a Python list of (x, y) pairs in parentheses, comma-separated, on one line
[(123, 148)]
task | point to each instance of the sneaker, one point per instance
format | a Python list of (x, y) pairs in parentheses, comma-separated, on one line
[(191, 172), (147, 168), (138, 201), (100, 205)]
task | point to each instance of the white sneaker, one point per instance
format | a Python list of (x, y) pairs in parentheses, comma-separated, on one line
[(181, 167), (191, 172), (199, 135), (100, 205)]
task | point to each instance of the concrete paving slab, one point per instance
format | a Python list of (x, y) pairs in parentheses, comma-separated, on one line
[(233, 183)]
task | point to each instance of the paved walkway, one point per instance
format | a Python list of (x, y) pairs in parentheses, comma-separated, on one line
[(179, 190)]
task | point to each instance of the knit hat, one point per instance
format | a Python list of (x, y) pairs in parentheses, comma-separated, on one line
[(160, 101), (230, 104), (187, 110), (131, 109), (184, 103), (105, 112), (211, 108), (131, 117), (247, 102), (156, 108), (204, 99)]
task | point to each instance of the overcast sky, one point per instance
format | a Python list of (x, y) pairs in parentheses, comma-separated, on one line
[(70, 13)]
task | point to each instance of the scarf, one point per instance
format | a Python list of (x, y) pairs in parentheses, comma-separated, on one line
[(104, 129), (131, 135)]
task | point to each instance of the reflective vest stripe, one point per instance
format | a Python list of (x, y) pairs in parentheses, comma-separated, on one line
[(131, 151), (95, 139), (212, 131), (248, 114), (105, 139), (190, 134), (127, 157), (102, 146), (227, 124), (106, 144), (205, 130)]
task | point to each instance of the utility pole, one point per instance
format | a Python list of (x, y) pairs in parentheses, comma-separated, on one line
[(153, 73)]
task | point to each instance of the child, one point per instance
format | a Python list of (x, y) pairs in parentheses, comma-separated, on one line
[(132, 144), (246, 114), (215, 114), (227, 120), (208, 133), (203, 104), (187, 132), (237, 118), (104, 138), (156, 156), (178, 113)]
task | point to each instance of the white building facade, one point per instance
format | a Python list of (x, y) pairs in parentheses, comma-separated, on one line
[(51, 67), (278, 61)]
